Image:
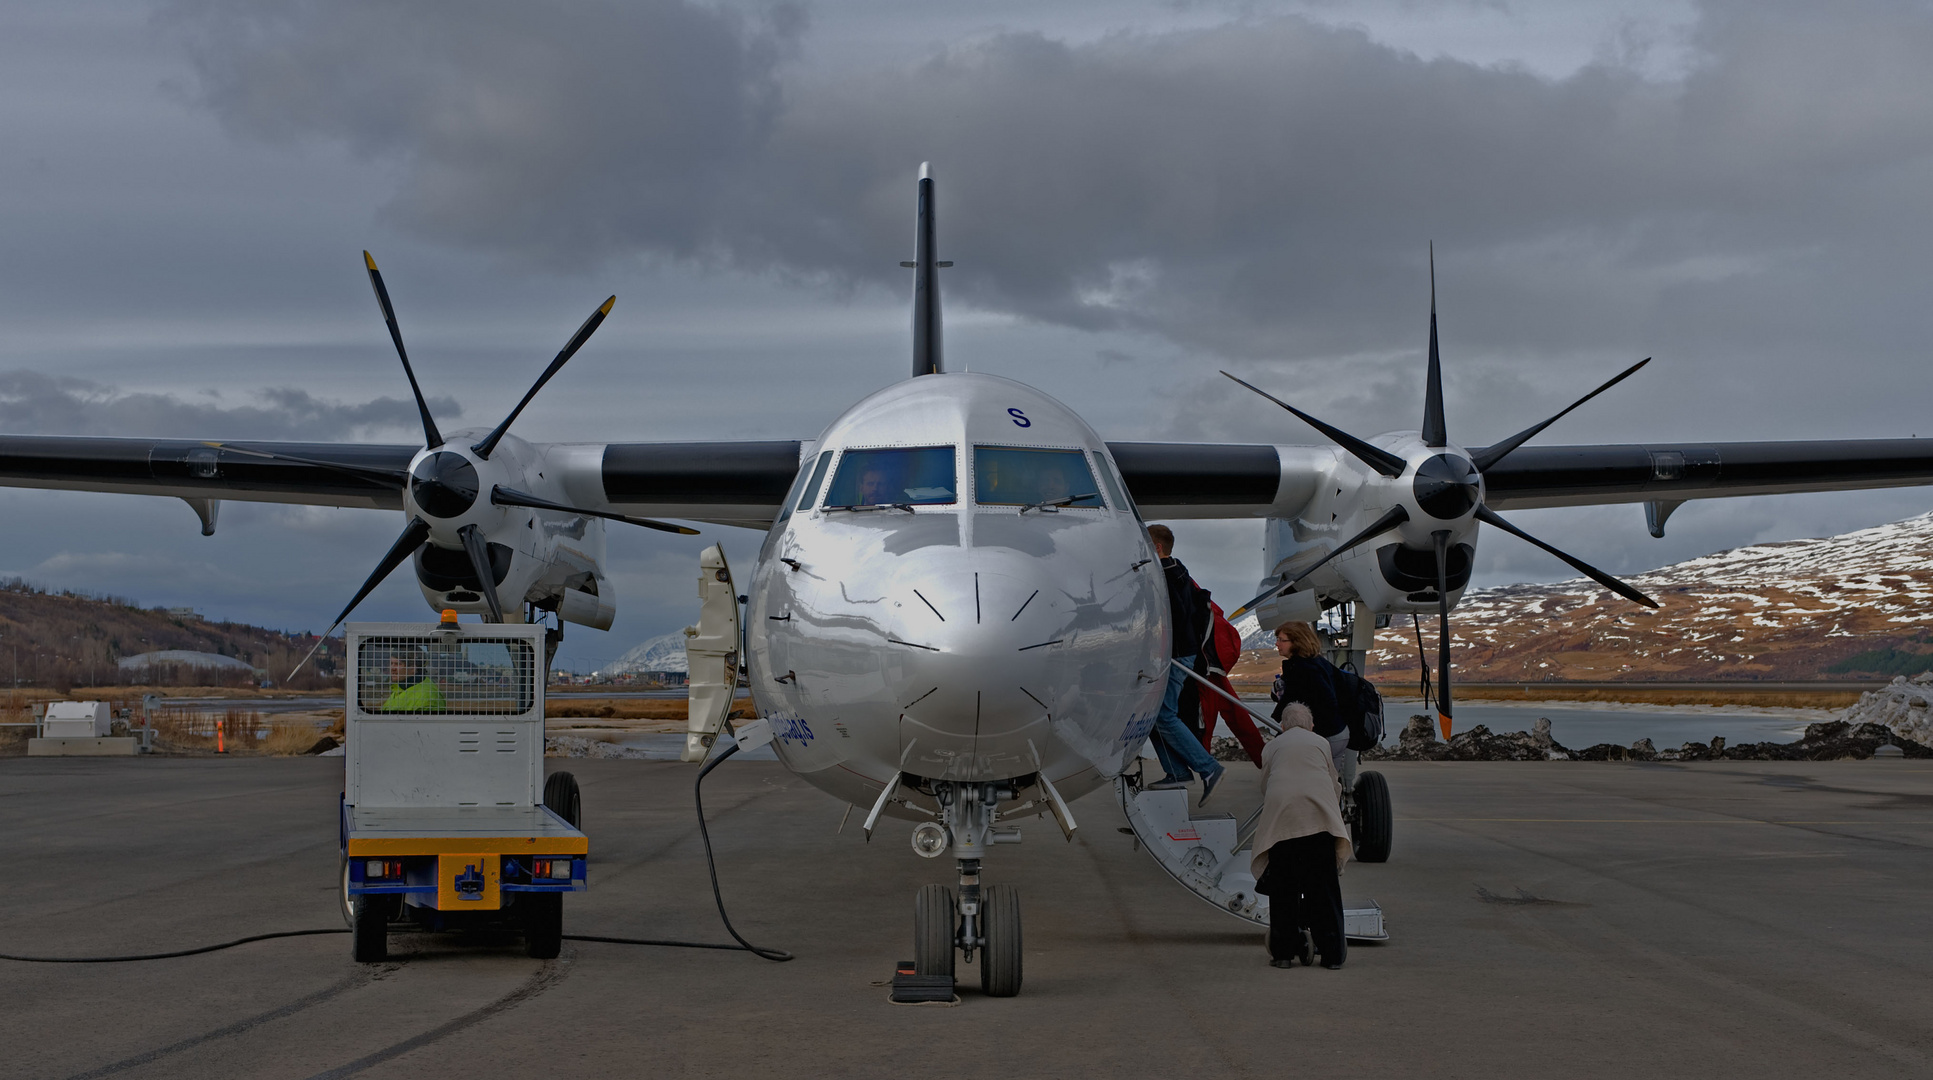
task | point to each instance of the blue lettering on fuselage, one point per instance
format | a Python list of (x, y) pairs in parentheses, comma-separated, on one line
[(1137, 729), (1019, 418), (791, 728)]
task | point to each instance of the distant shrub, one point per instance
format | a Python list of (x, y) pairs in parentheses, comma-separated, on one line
[(1888, 662)]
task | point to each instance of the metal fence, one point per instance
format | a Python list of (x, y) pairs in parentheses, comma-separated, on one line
[(437, 675)]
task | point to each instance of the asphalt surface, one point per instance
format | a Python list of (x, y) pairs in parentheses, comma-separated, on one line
[(1560, 919)]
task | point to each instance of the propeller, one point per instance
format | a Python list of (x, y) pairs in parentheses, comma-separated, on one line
[(1446, 488), (414, 534), (432, 438), (479, 551), (584, 332), (446, 484), (1394, 517)]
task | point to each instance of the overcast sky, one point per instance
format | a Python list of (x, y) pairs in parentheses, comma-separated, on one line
[(1136, 195)]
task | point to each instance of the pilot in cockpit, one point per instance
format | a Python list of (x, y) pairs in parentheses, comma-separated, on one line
[(877, 486), (1050, 484)]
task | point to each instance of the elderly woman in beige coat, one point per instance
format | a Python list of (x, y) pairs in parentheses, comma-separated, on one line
[(1301, 844)]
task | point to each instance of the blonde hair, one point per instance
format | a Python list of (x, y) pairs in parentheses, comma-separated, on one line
[(1302, 638)]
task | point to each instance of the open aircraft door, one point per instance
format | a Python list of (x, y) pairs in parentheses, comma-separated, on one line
[(712, 657)]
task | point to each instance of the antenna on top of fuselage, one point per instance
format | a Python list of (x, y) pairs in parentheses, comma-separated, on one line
[(926, 284)]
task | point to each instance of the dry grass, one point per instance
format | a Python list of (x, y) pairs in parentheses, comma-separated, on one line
[(629, 709), (243, 731)]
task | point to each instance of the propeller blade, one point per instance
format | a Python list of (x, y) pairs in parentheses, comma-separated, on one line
[(413, 536), (1435, 431), (1375, 457), (396, 477), (1443, 712), (432, 438), (1490, 517), (503, 496), (479, 552), (1490, 455), (584, 332), (1396, 516)]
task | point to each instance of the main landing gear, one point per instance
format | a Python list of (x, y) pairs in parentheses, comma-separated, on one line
[(983, 921)]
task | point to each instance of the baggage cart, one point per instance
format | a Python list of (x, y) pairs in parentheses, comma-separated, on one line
[(448, 822)]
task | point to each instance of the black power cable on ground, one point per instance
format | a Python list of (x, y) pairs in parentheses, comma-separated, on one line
[(698, 797), (169, 955)]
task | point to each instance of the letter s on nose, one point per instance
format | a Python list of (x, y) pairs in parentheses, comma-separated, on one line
[(1019, 418)]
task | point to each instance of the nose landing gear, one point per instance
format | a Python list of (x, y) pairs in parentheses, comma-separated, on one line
[(984, 922)]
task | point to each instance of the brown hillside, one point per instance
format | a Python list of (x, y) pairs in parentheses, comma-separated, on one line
[(63, 640)]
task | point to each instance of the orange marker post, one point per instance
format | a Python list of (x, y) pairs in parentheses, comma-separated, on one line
[(221, 747)]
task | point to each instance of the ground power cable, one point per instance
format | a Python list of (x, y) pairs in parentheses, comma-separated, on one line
[(711, 864), (169, 955)]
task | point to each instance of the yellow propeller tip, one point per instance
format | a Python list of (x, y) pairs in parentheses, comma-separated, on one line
[(369, 260), (606, 309)]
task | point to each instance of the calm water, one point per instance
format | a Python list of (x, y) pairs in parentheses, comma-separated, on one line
[(1573, 724)]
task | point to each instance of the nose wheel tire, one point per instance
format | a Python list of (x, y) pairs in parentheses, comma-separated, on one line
[(369, 930), (1374, 821), (936, 921), (1000, 961), (543, 924)]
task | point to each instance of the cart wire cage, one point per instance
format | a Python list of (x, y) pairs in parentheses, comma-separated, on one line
[(442, 673)]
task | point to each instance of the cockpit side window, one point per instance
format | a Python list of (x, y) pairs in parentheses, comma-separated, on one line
[(1114, 489), (799, 497), (811, 492), (895, 476), (1026, 476)]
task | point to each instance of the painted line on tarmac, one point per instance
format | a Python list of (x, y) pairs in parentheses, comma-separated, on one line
[(237, 1028), (546, 976)]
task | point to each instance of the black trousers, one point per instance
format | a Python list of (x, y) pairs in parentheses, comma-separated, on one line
[(1304, 893)]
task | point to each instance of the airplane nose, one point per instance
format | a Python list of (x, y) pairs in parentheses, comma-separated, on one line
[(985, 659)]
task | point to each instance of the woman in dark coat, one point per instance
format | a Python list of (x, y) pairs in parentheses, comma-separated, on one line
[(1309, 678)]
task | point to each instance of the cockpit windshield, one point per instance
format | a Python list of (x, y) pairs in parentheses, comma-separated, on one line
[(1033, 479), (894, 477)]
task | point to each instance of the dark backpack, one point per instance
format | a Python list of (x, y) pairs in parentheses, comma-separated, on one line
[(1361, 706)]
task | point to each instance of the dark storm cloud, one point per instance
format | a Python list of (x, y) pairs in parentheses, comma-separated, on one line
[(1254, 189), (34, 403), (553, 131)]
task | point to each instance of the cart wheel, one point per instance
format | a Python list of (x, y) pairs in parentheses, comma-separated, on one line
[(935, 922), (370, 930), (543, 923), (561, 795), (1374, 823), (1000, 962), (348, 903)]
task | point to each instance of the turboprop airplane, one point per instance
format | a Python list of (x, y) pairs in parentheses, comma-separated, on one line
[(956, 613)]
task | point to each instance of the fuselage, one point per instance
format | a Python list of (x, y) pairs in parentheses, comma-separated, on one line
[(958, 588)]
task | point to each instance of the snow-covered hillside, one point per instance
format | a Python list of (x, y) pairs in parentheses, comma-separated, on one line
[(1768, 611)]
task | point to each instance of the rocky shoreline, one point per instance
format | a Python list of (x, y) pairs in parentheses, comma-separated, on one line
[(1832, 740)]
